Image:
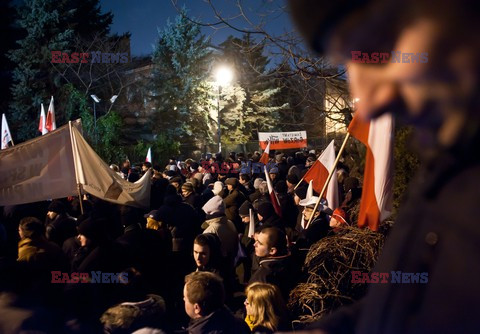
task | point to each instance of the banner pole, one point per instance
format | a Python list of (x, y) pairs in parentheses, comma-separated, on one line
[(80, 197), (330, 174)]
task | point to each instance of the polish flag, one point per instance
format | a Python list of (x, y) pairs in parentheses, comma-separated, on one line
[(377, 195), (50, 123), (6, 136), (265, 156), (41, 124), (318, 173), (273, 195), (149, 155)]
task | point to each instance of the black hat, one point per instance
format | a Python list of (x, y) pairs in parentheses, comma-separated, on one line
[(170, 173), (281, 187), (232, 181), (194, 165), (266, 210), (244, 209), (57, 207), (154, 214), (292, 178), (301, 191)]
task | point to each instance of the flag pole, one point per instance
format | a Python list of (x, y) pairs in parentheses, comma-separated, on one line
[(304, 176), (79, 185), (330, 174)]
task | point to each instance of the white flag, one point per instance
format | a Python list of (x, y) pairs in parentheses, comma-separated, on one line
[(41, 124), (6, 136), (149, 155), (251, 226)]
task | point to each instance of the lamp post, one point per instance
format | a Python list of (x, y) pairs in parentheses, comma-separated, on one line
[(223, 77), (96, 100)]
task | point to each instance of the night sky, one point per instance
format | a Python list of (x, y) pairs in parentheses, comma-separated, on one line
[(142, 17)]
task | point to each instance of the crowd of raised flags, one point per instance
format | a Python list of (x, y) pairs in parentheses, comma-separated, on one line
[(376, 135)]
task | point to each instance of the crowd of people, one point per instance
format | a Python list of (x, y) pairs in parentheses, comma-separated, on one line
[(195, 241)]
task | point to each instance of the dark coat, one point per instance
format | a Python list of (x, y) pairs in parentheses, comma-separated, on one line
[(232, 202), (218, 322), (276, 270), (437, 233), (60, 229)]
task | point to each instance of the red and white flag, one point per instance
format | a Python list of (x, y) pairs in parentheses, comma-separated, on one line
[(318, 173), (50, 122), (41, 125), (273, 195), (149, 155), (377, 195), (265, 156), (6, 136)]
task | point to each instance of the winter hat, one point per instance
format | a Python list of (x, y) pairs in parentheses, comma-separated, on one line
[(170, 173), (217, 187), (194, 166), (301, 191), (187, 186), (292, 179), (57, 207), (258, 181), (232, 181), (244, 209), (340, 215), (154, 214), (266, 210), (273, 170), (215, 207), (91, 229)]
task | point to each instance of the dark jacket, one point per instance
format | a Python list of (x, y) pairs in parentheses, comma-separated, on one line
[(60, 229), (437, 233), (276, 270), (318, 229), (232, 202), (218, 322)]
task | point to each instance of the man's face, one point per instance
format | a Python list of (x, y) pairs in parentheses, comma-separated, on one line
[(189, 307), (186, 193), (307, 213), (262, 249), (245, 219), (273, 176), (201, 254), (176, 184), (51, 214), (426, 95), (229, 187)]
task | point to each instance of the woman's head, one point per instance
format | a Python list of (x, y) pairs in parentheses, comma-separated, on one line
[(265, 305)]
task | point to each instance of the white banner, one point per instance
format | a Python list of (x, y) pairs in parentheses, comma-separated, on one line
[(39, 169), (52, 165), (283, 140)]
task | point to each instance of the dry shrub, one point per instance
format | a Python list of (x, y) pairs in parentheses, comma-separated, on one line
[(329, 264)]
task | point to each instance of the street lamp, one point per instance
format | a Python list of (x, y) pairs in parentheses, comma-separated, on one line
[(223, 77)]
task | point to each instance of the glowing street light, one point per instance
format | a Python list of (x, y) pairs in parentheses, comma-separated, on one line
[(223, 77)]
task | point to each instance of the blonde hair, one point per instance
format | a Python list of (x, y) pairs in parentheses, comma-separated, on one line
[(267, 305)]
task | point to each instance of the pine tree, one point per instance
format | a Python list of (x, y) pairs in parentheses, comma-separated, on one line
[(252, 107), (179, 82), (33, 77)]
